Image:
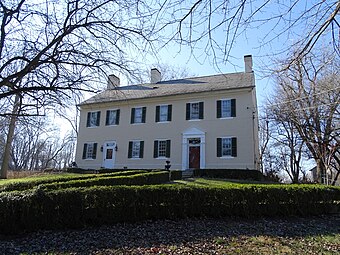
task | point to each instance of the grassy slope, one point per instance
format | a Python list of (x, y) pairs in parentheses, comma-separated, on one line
[(38, 177), (312, 243)]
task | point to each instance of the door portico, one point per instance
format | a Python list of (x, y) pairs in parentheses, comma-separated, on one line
[(109, 154), (193, 149)]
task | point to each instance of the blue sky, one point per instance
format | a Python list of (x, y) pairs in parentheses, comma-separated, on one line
[(265, 38), (273, 33)]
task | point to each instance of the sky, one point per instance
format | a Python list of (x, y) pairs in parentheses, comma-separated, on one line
[(258, 39)]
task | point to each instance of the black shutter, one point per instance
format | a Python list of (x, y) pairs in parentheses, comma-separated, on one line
[(88, 119), (233, 107), (168, 147), (94, 153), (133, 115), (218, 107), (219, 147), (143, 114), (98, 119), (107, 118), (130, 150), (117, 116), (234, 147), (141, 149), (157, 113), (155, 149), (169, 112), (188, 112), (201, 110), (84, 150)]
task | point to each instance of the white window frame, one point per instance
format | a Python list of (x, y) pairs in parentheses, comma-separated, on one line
[(135, 151), (193, 117), (141, 115), (115, 119), (161, 143), (223, 149), (164, 117), (89, 150), (226, 113), (93, 119)]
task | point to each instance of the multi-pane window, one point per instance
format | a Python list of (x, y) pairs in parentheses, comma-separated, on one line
[(138, 115), (227, 147), (163, 113), (226, 108), (194, 111), (162, 149), (93, 119), (136, 149), (112, 117), (90, 151)]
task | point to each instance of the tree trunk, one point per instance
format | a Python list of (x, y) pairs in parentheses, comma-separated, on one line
[(336, 178), (9, 139), (320, 171)]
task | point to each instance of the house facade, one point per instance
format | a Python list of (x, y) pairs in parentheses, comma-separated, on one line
[(195, 123)]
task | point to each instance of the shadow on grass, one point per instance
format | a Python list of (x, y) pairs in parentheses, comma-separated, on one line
[(125, 237)]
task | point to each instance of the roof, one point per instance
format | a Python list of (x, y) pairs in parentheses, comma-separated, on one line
[(175, 87)]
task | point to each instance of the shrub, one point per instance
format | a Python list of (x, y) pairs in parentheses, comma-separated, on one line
[(230, 174), (79, 207), (29, 184), (175, 175), (133, 179)]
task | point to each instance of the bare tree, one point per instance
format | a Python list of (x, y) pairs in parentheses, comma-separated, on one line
[(38, 145), (168, 72), (290, 146), (69, 45), (216, 26), (51, 50), (307, 99)]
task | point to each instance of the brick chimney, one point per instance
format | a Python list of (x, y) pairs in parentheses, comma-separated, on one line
[(155, 75), (113, 81), (248, 64)]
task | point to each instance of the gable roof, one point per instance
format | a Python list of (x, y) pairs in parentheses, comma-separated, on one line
[(175, 87)]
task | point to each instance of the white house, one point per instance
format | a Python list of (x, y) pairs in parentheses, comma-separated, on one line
[(205, 122)]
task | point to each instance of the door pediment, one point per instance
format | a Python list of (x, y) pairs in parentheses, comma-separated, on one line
[(193, 132)]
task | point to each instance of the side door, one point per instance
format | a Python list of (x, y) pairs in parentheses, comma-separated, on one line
[(109, 154)]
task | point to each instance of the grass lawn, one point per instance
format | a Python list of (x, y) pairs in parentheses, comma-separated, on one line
[(281, 235), (291, 235), (42, 176), (264, 244), (216, 182)]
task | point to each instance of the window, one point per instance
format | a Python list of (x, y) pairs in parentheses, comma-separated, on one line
[(138, 115), (112, 117), (163, 113), (227, 147), (194, 111), (161, 149), (93, 119), (136, 149), (90, 151), (226, 108)]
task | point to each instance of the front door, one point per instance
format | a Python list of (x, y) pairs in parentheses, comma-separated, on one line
[(194, 157), (109, 154)]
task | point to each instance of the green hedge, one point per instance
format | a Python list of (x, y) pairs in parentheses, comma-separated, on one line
[(19, 186), (133, 179), (79, 207), (241, 174), (175, 175)]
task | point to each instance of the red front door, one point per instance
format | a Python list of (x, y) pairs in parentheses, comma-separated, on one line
[(194, 157)]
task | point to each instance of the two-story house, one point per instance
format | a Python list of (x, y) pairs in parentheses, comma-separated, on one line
[(205, 122)]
